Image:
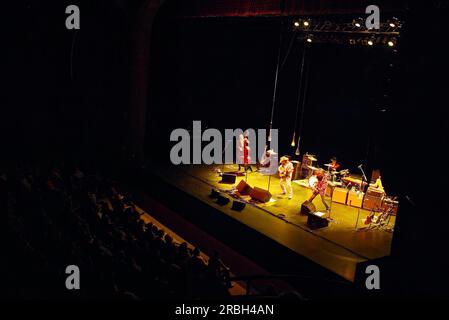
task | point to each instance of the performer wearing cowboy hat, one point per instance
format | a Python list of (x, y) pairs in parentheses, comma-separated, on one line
[(285, 174)]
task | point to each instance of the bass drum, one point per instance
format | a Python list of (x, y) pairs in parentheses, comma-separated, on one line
[(313, 180)]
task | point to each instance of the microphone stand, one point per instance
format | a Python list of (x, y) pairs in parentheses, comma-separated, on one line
[(361, 188), (363, 177), (222, 153)]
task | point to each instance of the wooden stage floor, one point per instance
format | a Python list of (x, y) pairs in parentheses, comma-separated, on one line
[(338, 247)]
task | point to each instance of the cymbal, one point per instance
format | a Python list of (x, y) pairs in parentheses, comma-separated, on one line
[(313, 168), (312, 158), (328, 165)]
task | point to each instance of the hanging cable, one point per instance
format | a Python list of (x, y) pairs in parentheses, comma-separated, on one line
[(72, 48), (299, 96), (303, 104), (292, 40), (274, 93)]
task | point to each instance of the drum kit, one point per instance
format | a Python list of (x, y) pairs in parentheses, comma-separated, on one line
[(337, 176)]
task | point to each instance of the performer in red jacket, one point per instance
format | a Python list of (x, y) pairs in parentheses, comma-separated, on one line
[(244, 148)]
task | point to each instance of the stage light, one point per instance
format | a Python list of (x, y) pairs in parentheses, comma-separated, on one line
[(296, 24), (357, 22), (297, 147), (293, 140), (390, 43), (306, 23), (309, 38), (370, 42), (394, 23)]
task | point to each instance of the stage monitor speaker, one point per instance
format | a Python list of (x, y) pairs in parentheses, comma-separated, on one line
[(222, 200), (228, 178), (314, 221), (243, 188), (260, 195), (238, 205), (307, 208), (214, 194)]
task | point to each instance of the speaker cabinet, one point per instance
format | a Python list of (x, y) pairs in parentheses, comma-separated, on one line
[(307, 208), (260, 195), (243, 188), (228, 178), (222, 200), (373, 199), (340, 195), (315, 221), (214, 194), (238, 205), (355, 199)]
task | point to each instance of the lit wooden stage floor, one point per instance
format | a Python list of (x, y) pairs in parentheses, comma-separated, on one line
[(338, 247)]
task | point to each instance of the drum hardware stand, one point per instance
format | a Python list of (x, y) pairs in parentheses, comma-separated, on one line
[(330, 219), (358, 216), (382, 221)]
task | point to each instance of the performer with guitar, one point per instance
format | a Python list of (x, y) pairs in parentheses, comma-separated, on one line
[(320, 187), (285, 174)]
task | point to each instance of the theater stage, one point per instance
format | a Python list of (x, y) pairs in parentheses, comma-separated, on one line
[(338, 247)]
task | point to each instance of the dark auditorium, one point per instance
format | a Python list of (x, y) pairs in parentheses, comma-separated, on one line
[(224, 158)]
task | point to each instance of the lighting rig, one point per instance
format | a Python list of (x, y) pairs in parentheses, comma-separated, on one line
[(350, 31)]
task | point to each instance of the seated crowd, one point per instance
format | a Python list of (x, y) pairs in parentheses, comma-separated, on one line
[(67, 217)]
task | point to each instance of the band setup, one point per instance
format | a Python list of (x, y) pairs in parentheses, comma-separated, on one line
[(331, 184), (348, 189)]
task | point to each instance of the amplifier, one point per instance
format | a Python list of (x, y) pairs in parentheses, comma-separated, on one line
[(371, 201), (374, 192), (355, 199), (340, 195)]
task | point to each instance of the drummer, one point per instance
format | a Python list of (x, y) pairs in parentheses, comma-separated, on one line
[(333, 165)]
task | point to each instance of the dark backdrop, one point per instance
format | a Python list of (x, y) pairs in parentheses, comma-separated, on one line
[(221, 71)]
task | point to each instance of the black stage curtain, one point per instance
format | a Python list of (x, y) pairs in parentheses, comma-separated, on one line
[(246, 8)]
